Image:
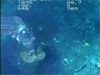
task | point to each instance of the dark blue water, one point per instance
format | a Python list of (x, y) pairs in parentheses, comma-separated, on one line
[(67, 26)]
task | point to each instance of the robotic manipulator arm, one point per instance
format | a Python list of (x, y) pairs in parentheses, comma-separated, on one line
[(16, 28)]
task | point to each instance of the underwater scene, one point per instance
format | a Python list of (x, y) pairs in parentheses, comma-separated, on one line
[(50, 37)]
